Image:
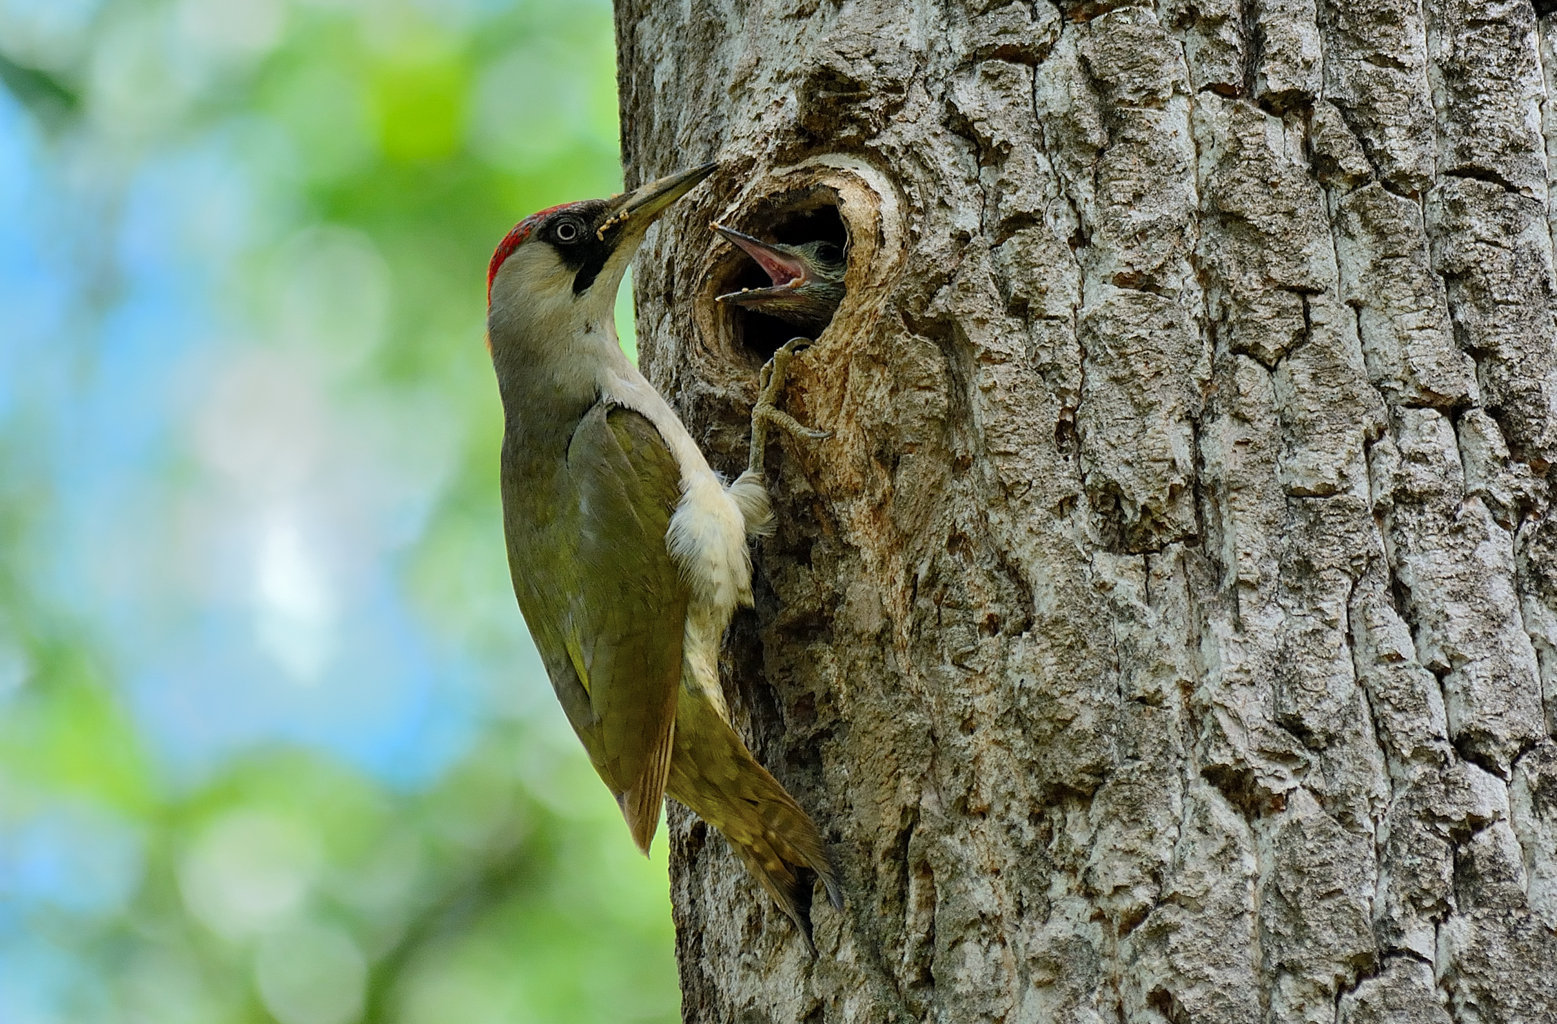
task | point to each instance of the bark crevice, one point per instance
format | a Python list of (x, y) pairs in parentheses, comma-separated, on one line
[(1175, 637)]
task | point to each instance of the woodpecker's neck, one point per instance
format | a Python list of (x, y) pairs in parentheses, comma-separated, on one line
[(549, 375)]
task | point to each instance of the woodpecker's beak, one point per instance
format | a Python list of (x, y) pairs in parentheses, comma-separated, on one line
[(788, 270), (633, 212)]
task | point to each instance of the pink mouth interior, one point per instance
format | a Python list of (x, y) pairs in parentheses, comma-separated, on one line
[(784, 272)]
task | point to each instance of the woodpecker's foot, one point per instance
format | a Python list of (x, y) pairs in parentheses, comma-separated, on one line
[(770, 385)]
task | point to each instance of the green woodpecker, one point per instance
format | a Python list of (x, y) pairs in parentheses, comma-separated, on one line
[(807, 280), (628, 553)]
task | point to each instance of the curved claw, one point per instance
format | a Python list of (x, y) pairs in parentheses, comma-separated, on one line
[(770, 384)]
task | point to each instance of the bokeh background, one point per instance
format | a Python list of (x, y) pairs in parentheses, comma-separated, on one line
[(273, 742)]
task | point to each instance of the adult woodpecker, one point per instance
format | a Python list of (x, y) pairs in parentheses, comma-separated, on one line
[(807, 280), (628, 554)]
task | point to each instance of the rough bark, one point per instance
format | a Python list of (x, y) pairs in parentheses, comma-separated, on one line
[(1169, 631)]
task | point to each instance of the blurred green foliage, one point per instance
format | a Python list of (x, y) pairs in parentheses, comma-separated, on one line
[(337, 173)]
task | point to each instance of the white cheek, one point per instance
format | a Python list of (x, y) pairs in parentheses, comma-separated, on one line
[(533, 274)]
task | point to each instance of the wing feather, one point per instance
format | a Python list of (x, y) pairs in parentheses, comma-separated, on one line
[(628, 616)]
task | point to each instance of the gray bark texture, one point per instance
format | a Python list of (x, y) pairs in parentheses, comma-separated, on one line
[(1168, 633)]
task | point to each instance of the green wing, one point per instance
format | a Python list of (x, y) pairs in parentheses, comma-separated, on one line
[(613, 620)]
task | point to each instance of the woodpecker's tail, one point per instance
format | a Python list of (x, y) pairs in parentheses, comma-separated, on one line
[(712, 772)]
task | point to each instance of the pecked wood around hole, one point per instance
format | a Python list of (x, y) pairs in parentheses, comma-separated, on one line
[(833, 197)]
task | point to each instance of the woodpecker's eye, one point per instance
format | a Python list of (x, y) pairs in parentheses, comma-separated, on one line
[(568, 229)]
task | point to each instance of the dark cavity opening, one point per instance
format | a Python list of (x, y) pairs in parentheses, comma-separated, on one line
[(790, 220)]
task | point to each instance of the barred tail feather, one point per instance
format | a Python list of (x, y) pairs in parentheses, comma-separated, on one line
[(713, 773)]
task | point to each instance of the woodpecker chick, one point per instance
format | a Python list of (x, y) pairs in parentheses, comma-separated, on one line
[(807, 280), (628, 554)]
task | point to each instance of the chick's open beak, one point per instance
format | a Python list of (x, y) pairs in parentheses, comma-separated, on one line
[(786, 269)]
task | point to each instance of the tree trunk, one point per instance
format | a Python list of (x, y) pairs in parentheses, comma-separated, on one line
[(1168, 633)]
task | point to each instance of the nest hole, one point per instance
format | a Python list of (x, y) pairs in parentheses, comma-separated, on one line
[(790, 220)]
